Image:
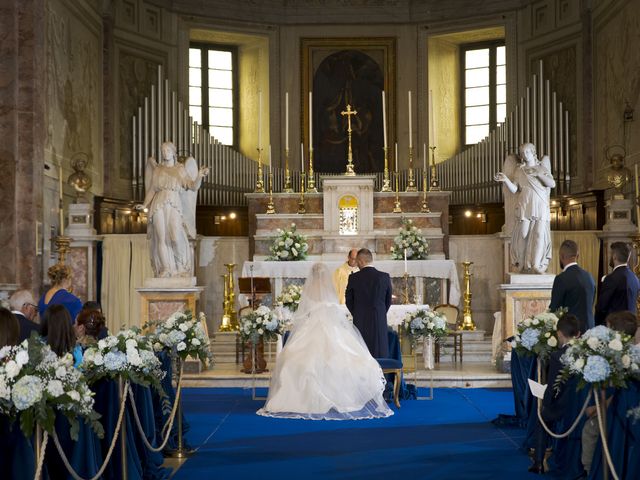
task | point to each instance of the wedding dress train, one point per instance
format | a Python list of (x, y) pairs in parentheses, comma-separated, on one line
[(325, 370)]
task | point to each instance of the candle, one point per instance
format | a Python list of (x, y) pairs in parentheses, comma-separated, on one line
[(384, 120), (310, 122), (396, 157), (259, 118), (286, 116), (424, 157), (302, 155), (410, 139), (405, 260), (637, 206), (432, 134)]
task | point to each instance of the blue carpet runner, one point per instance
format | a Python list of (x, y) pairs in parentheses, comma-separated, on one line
[(450, 437)]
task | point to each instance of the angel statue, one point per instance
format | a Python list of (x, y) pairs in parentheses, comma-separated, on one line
[(170, 199), (527, 183)]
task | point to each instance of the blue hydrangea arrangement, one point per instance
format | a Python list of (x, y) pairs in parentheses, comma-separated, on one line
[(424, 323), (537, 335), (259, 324)]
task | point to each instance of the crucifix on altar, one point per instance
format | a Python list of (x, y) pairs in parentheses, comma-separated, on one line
[(348, 112)]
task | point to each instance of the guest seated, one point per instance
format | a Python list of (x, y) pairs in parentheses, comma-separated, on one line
[(58, 332), (23, 306), (88, 326), (60, 292), (16, 452), (93, 305)]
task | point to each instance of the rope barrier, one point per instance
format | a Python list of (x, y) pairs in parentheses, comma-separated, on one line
[(116, 433), (603, 436), (167, 426), (43, 449)]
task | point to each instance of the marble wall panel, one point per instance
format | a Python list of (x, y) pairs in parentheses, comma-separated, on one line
[(78, 260)]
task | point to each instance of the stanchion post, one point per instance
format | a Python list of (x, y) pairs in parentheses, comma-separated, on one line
[(123, 432), (603, 414), (181, 451), (38, 446)]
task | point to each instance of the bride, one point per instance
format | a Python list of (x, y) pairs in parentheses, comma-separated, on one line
[(325, 370)]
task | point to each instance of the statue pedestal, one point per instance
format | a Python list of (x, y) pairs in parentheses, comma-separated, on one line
[(619, 216), (158, 303), (524, 296)]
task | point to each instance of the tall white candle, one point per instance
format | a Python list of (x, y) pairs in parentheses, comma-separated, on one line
[(384, 120), (286, 116), (410, 133), (637, 206), (259, 118), (302, 156), (405, 260), (432, 130), (396, 157), (310, 121)]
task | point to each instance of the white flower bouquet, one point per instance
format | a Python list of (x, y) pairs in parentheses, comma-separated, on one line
[(424, 323), (260, 323), (537, 335), (409, 238), (183, 335), (602, 357), (126, 355), (288, 245), (35, 384), (290, 297)]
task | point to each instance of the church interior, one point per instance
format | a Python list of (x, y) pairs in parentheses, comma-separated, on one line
[(346, 121)]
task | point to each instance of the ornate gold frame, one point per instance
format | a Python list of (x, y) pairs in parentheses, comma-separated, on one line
[(314, 50)]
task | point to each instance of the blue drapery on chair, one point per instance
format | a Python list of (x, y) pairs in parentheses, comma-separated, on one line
[(16, 452), (623, 435), (407, 391)]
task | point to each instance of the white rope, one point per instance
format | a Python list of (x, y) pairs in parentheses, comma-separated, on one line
[(167, 426), (73, 473), (573, 426), (43, 449), (603, 436)]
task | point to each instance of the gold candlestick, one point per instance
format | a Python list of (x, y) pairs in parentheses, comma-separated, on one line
[(287, 173), (225, 326), (231, 298), (635, 239), (435, 183), (301, 208), (386, 184), (62, 247), (425, 204), (411, 184), (259, 188), (396, 206), (405, 293), (467, 318), (348, 112), (271, 209), (311, 184)]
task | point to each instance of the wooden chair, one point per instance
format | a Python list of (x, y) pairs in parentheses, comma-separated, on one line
[(451, 313)]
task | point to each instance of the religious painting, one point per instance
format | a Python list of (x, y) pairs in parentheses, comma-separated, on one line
[(343, 72), (348, 215)]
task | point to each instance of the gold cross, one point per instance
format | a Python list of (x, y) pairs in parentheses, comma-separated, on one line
[(348, 113)]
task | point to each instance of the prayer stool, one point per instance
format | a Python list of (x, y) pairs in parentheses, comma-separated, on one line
[(391, 365), (451, 313)]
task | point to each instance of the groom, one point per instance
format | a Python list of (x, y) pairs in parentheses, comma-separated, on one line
[(368, 298)]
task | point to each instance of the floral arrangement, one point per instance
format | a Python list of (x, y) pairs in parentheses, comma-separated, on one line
[(183, 335), (537, 335), (411, 240), (288, 245), (126, 355), (602, 357), (35, 384), (425, 323), (260, 323), (290, 297)]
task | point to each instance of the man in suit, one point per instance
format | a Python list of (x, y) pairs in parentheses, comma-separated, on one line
[(619, 290), (24, 307), (573, 288), (368, 298), (557, 400)]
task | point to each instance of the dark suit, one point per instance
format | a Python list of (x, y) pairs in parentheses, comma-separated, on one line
[(575, 290), (368, 298), (618, 292), (26, 326)]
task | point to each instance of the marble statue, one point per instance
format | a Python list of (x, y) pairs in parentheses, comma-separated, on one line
[(170, 201), (527, 184)]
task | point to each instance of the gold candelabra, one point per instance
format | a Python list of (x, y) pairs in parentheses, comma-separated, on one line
[(271, 209), (348, 112), (467, 318), (425, 205), (301, 208), (635, 239), (229, 317), (435, 183), (386, 184), (411, 183), (311, 184), (396, 205), (287, 173), (62, 247), (259, 188), (405, 293)]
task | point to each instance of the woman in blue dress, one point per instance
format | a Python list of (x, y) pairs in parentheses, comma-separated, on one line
[(60, 292)]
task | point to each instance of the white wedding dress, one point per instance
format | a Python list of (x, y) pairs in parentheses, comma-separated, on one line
[(325, 371)]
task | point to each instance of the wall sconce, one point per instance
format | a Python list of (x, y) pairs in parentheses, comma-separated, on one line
[(482, 216), (232, 215)]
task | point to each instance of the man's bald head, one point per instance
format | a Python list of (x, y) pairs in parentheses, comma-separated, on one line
[(352, 256)]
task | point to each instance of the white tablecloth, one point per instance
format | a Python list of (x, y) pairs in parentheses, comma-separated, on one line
[(396, 313), (445, 269)]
